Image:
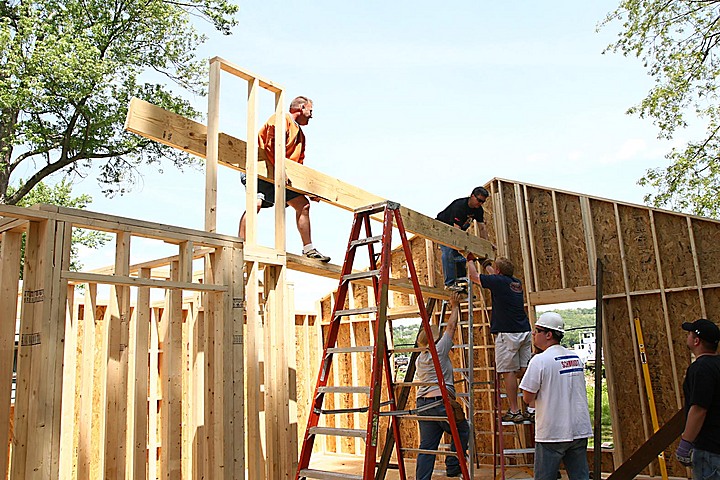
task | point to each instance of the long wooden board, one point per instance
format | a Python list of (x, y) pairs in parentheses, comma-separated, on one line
[(168, 128)]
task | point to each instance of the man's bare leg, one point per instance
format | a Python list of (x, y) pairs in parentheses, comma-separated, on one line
[(511, 389), (241, 230), (302, 217)]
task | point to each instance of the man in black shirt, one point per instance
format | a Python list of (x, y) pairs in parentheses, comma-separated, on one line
[(460, 214), (700, 441)]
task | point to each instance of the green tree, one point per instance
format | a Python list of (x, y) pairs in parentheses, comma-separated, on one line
[(61, 194), (68, 69), (677, 43)]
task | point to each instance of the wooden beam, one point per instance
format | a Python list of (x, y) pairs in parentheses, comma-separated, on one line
[(9, 283), (562, 295), (173, 130)]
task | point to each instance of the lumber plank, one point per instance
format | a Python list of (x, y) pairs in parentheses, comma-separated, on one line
[(9, 276), (81, 277), (87, 384), (173, 130), (116, 332), (138, 392), (211, 160)]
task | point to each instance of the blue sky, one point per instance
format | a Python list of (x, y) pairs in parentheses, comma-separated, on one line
[(419, 103)]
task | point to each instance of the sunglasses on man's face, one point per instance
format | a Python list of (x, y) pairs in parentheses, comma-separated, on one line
[(481, 200)]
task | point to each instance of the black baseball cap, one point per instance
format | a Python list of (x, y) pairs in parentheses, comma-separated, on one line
[(705, 329)]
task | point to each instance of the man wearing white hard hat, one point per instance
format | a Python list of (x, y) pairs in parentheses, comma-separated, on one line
[(554, 384)]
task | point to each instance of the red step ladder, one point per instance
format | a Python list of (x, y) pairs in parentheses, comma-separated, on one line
[(379, 274)]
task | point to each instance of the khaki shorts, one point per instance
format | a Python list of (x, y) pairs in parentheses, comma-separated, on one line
[(512, 351)]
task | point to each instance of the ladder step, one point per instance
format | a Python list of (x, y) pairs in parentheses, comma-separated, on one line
[(406, 350), (376, 207), (342, 411), (510, 424), (344, 389), (361, 348), (366, 241), (338, 432), (355, 311), (361, 275), (322, 475), (432, 452), (426, 418), (518, 451)]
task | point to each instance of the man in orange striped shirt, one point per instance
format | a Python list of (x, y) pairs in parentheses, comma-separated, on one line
[(301, 109)]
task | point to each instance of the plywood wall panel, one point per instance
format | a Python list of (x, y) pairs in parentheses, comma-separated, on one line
[(675, 250), (639, 248), (398, 269), (345, 377), (541, 217), (707, 243), (619, 353), (512, 228), (572, 238), (607, 246)]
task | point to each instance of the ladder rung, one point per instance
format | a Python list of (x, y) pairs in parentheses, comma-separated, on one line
[(433, 452), (462, 345), (323, 475), (355, 311), (426, 418), (341, 411), (365, 241), (406, 350), (344, 389), (518, 451), (361, 275), (509, 424), (415, 384), (338, 432), (361, 348)]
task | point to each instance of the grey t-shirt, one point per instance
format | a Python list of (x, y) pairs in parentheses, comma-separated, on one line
[(425, 370)]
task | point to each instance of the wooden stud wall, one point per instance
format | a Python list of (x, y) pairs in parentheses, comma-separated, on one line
[(659, 266), (136, 413)]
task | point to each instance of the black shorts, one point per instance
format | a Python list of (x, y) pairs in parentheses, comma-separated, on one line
[(266, 192)]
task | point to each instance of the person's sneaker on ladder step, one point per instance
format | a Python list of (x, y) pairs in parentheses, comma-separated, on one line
[(529, 415), (311, 252), (515, 417)]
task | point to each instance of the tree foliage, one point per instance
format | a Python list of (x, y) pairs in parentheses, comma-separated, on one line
[(677, 43), (68, 69)]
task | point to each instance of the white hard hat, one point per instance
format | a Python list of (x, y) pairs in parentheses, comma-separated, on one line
[(551, 321)]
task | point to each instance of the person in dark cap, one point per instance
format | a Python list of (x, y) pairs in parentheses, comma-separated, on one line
[(700, 441)]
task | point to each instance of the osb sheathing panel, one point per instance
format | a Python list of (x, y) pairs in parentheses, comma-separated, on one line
[(658, 353), (329, 402), (345, 377), (639, 248), (675, 250), (572, 239), (512, 228), (362, 337), (620, 358), (417, 250), (607, 246), (541, 217), (707, 244), (398, 269)]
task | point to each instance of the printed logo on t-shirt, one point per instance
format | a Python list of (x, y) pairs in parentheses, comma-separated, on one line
[(569, 364), (516, 287)]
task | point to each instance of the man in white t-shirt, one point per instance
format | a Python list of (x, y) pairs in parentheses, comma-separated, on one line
[(554, 384)]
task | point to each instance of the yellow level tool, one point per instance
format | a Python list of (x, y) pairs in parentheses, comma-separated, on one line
[(648, 389)]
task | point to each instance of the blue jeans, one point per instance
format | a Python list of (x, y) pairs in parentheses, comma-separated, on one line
[(573, 454), (430, 435), (453, 264), (705, 465)]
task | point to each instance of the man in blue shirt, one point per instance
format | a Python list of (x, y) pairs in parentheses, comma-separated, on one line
[(460, 214), (511, 327)]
